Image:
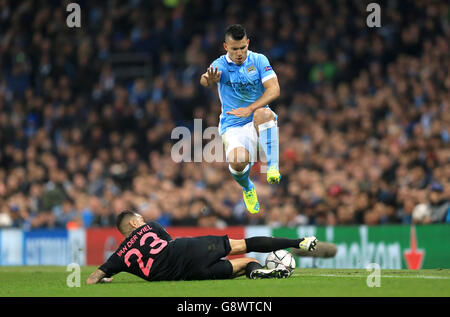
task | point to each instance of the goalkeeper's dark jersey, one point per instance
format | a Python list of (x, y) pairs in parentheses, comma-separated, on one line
[(145, 253)]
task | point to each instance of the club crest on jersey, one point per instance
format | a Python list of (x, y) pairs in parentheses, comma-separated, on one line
[(251, 69)]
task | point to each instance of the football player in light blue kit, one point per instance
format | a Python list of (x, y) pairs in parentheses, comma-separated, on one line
[(247, 84)]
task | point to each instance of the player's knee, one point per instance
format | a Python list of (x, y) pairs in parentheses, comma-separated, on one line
[(238, 167), (262, 115), (239, 159)]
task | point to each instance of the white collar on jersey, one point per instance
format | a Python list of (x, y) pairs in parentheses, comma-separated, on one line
[(230, 61)]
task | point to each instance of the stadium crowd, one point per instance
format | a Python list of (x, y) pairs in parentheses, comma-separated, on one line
[(364, 113)]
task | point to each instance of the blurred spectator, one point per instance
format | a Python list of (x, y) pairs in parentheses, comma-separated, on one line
[(439, 204), (64, 214)]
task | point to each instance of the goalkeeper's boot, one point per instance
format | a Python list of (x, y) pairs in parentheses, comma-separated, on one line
[(251, 200), (280, 272), (273, 175), (308, 243)]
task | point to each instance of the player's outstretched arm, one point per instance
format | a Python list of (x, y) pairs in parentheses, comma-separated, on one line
[(211, 77), (98, 276)]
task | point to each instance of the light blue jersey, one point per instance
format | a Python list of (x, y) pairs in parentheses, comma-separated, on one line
[(240, 86)]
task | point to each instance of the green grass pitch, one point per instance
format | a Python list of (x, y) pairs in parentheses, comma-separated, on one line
[(50, 281)]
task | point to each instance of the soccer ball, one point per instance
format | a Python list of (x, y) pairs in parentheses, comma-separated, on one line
[(280, 258)]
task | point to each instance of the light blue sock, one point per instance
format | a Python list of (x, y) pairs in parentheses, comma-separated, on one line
[(243, 177), (268, 139)]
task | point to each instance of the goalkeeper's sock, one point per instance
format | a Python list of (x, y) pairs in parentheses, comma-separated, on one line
[(251, 267), (269, 244), (242, 177), (268, 139)]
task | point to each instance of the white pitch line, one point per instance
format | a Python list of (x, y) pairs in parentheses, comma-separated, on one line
[(381, 275)]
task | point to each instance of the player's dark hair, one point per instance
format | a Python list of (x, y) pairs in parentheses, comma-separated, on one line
[(122, 217), (236, 31)]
